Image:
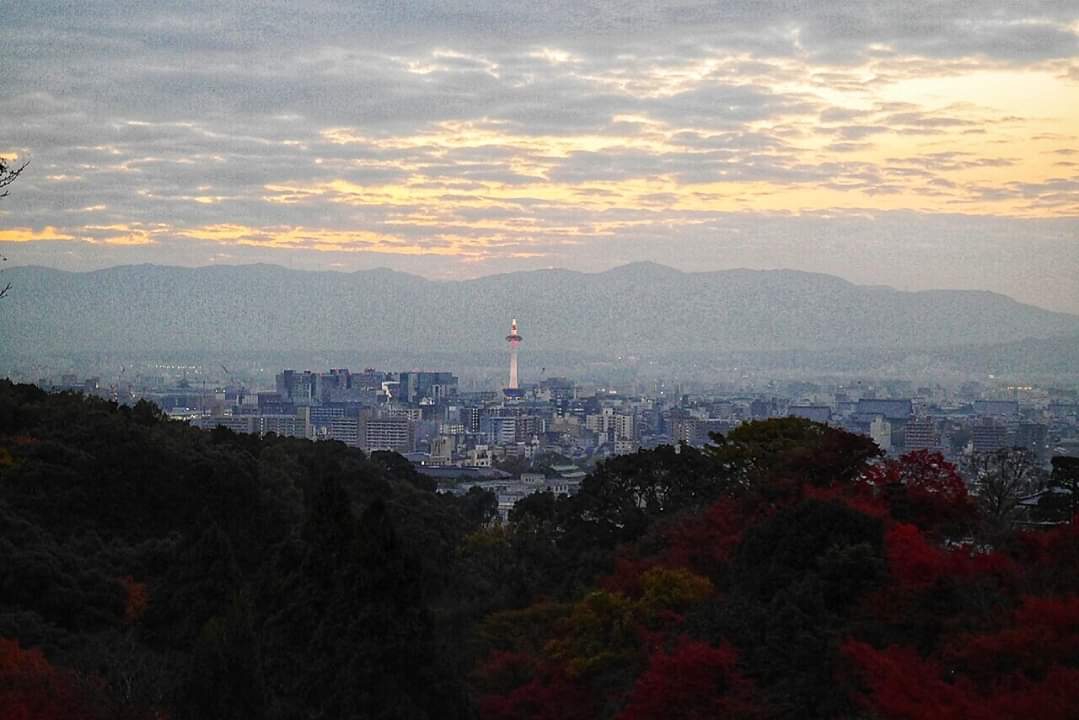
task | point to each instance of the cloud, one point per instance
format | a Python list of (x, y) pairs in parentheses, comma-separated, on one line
[(25, 235), (496, 133)]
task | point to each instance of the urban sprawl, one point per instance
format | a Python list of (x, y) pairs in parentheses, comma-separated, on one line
[(546, 435)]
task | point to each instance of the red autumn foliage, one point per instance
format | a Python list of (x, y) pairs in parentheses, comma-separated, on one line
[(705, 542), (1051, 557), (916, 564), (969, 655), (901, 685), (32, 689), (933, 493), (858, 496), (503, 670), (549, 696), (626, 578), (702, 543), (1045, 632), (694, 681)]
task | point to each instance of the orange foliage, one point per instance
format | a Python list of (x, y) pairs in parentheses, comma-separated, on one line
[(136, 599)]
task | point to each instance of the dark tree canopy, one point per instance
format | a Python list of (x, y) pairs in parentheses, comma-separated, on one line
[(149, 569)]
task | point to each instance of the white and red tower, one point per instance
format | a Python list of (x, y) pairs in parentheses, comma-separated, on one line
[(514, 339)]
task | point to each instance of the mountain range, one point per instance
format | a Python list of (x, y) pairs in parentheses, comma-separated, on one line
[(637, 308)]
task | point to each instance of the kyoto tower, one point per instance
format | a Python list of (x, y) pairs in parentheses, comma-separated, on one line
[(514, 339)]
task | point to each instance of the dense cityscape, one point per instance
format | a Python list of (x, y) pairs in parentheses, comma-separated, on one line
[(546, 435)]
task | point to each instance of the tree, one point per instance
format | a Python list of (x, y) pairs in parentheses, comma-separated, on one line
[(8, 174), (776, 458), (1066, 477), (222, 679), (1001, 479), (30, 687), (623, 496), (923, 489), (693, 681)]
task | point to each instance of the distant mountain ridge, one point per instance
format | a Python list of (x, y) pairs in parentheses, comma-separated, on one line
[(642, 307)]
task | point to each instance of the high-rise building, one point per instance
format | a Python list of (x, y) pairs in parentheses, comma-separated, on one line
[(921, 434), (624, 427), (1033, 437), (696, 431), (431, 386), (299, 388), (388, 433), (345, 429), (988, 435), (499, 430), (527, 426)]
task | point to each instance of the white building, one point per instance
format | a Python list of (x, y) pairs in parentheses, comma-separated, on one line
[(881, 432)]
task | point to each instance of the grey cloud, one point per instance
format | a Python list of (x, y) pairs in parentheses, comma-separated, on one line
[(845, 147), (925, 120), (736, 140), (840, 115), (859, 132), (723, 104)]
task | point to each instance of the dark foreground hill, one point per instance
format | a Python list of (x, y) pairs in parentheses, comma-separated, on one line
[(642, 308), (150, 570)]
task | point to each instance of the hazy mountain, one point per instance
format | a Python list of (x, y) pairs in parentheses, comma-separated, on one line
[(636, 308)]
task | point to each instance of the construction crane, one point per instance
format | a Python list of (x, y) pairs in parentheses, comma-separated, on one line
[(242, 391), (243, 388)]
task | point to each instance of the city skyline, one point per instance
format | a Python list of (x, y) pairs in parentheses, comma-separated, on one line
[(917, 145)]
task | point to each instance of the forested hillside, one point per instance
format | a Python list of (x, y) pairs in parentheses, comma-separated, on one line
[(151, 570)]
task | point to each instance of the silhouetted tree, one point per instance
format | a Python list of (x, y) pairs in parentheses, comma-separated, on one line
[(1001, 479), (1065, 476), (8, 173)]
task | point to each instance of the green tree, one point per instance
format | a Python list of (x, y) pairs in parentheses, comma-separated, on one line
[(774, 458), (223, 679), (623, 496)]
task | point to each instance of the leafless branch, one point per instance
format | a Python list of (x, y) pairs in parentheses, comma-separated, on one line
[(9, 174)]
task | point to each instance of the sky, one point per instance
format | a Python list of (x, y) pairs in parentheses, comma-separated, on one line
[(917, 144)]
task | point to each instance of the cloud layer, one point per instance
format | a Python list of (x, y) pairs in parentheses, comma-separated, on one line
[(917, 143)]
